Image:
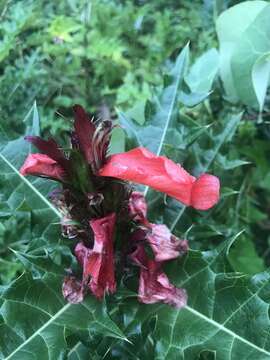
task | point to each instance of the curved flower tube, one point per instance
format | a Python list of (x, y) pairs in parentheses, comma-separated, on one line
[(160, 173)]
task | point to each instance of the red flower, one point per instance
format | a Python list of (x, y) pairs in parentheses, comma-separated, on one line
[(154, 285), (98, 263), (165, 245), (42, 165), (141, 166)]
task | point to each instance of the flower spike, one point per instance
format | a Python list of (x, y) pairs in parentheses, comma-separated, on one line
[(95, 205)]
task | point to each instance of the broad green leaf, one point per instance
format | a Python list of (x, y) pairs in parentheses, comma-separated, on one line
[(244, 50), (202, 73), (218, 304), (243, 257), (229, 36), (80, 352), (41, 316), (260, 78), (137, 112), (117, 144), (192, 99)]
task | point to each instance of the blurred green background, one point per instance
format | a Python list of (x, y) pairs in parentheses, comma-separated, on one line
[(91, 52)]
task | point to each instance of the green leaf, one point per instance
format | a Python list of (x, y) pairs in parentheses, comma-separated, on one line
[(243, 256), (42, 263), (41, 316), (79, 352), (137, 112), (244, 51), (227, 164), (192, 99), (218, 303), (202, 73), (260, 78), (117, 144)]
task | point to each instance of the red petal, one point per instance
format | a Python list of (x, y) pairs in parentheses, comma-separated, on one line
[(98, 263), (141, 166), (155, 286), (42, 165), (205, 192), (84, 129), (165, 245)]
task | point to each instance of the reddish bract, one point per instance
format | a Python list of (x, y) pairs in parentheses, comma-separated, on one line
[(141, 166), (164, 244), (51, 149), (154, 285), (137, 207), (98, 263), (84, 130), (42, 165)]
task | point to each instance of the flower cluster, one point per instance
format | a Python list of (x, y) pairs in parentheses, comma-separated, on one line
[(106, 218)]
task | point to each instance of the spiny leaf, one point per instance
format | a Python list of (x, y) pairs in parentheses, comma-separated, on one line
[(227, 313), (41, 316), (80, 352)]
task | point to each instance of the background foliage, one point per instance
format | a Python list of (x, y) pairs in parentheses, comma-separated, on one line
[(207, 108)]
